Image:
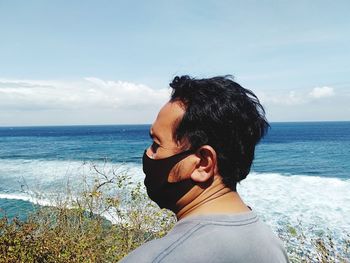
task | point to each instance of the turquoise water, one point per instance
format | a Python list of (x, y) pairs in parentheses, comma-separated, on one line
[(301, 170)]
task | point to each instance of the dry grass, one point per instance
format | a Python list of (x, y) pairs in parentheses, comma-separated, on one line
[(75, 229)]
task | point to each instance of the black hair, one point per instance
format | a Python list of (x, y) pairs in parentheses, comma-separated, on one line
[(221, 113)]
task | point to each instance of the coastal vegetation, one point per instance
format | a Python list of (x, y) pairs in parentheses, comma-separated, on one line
[(110, 215)]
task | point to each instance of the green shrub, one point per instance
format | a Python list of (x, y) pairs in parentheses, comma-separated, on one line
[(75, 229), (309, 245)]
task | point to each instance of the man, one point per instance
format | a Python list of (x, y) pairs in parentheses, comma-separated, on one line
[(203, 144)]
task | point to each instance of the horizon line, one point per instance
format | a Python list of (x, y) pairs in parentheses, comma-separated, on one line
[(140, 124)]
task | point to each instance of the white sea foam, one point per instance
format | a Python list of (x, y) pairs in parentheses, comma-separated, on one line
[(318, 202), (27, 198), (21, 175)]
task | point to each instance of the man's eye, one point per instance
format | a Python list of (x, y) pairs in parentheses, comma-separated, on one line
[(154, 146)]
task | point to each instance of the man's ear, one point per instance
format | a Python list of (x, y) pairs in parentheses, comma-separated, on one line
[(206, 166)]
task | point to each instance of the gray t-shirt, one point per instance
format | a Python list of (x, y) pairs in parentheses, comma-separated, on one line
[(214, 238)]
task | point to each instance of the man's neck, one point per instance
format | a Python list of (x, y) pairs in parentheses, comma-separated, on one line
[(215, 199)]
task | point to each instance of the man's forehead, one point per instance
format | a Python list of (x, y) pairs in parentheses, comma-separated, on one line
[(167, 119)]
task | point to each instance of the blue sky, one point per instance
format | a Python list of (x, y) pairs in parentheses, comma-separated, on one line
[(107, 62)]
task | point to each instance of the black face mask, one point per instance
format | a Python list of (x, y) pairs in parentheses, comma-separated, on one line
[(164, 193)]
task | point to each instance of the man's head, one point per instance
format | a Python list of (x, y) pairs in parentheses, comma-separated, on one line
[(222, 114), (218, 120)]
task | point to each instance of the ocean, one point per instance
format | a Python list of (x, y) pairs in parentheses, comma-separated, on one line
[(301, 171)]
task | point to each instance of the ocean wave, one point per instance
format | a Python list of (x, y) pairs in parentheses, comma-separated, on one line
[(27, 198), (317, 202), (21, 175), (320, 203)]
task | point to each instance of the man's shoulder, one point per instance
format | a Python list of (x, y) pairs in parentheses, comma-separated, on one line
[(230, 238), (241, 238), (156, 250), (148, 252)]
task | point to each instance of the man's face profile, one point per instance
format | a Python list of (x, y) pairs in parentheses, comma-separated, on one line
[(167, 166), (162, 133)]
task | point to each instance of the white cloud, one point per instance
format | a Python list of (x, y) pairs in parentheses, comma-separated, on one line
[(290, 98), (96, 101), (86, 101), (315, 104), (296, 98), (86, 93), (321, 92)]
